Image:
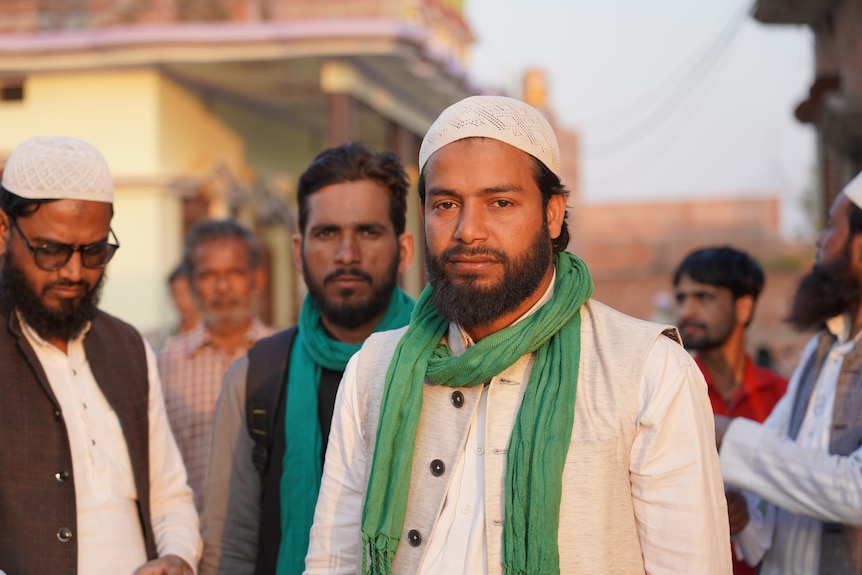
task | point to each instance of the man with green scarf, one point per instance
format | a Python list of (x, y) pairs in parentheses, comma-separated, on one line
[(350, 248), (515, 426)]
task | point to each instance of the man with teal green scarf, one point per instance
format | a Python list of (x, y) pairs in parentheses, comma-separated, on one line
[(516, 426), (350, 248)]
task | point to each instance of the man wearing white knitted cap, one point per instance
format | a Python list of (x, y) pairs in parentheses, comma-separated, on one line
[(802, 466), (516, 425), (91, 480)]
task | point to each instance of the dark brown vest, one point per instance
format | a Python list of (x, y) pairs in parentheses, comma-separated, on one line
[(38, 528), (840, 545)]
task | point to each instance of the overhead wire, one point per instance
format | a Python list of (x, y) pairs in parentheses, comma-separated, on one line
[(671, 101)]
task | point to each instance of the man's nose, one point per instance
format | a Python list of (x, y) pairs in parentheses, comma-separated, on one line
[(472, 225), (348, 249)]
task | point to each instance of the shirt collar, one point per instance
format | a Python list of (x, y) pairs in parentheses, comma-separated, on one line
[(33, 336), (199, 337), (459, 340), (840, 327)]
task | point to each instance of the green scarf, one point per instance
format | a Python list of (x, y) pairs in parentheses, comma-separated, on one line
[(540, 438), (313, 350)]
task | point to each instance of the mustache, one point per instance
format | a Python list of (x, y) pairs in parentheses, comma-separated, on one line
[(66, 283), (356, 272), (464, 251), (683, 324)]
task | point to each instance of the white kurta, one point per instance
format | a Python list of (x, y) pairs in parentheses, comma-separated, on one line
[(670, 470), (804, 484), (109, 535)]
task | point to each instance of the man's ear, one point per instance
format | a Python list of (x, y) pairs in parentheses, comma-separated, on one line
[(4, 231), (296, 248), (405, 251), (556, 213), (744, 307)]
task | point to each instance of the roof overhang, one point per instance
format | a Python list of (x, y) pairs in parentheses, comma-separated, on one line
[(281, 68), (791, 11)]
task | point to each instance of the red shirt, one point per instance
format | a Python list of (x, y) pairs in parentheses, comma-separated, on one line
[(760, 390)]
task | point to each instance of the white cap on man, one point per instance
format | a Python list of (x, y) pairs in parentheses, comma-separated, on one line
[(500, 118), (58, 168)]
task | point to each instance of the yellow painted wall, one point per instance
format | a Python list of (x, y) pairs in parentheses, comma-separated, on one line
[(115, 111), (150, 131)]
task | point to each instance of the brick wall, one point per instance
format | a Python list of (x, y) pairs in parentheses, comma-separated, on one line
[(632, 251)]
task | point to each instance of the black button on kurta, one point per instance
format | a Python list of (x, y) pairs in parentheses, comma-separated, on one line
[(457, 398), (62, 475), (414, 538), (64, 534), (437, 468)]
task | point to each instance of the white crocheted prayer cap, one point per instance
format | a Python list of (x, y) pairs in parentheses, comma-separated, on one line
[(499, 118), (58, 168), (853, 190)]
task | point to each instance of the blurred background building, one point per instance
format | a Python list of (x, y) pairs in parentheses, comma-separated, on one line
[(212, 108), (834, 103)]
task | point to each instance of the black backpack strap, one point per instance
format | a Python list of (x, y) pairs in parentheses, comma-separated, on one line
[(266, 380)]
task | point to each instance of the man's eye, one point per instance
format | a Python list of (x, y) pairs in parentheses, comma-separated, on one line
[(503, 203), (54, 250)]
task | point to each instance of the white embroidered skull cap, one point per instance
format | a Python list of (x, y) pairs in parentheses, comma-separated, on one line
[(853, 190), (58, 168), (497, 117)]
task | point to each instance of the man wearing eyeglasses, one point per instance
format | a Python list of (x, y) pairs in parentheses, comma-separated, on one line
[(91, 480)]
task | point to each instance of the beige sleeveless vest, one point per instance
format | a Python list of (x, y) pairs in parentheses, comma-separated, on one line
[(597, 514)]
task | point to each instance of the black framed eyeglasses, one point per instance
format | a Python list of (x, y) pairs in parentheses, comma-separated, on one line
[(51, 257)]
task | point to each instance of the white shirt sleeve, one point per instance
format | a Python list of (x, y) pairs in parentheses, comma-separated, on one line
[(762, 459), (803, 481), (175, 520), (336, 538), (755, 539), (677, 490)]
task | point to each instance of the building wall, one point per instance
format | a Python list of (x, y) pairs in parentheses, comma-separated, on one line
[(632, 251), (151, 132)]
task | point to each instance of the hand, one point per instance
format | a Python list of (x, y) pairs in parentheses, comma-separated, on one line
[(737, 511), (722, 422), (167, 565)]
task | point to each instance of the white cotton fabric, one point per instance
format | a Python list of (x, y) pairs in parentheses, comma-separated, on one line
[(853, 190), (642, 465), (497, 117), (58, 168), (804, 484), (108, 533)]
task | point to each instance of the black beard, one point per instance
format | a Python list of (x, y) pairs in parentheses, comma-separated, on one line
[(707, 340), (471, 306), (66, 322), (353, 314), (826, 291)]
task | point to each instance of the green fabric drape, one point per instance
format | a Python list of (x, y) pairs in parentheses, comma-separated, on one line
[(540, 438), (313, 350)]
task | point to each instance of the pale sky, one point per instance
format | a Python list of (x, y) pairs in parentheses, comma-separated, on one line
[(671, 98)]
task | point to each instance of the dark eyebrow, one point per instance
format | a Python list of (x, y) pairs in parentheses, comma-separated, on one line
[(44, 242), (489, 191), (337, 227)]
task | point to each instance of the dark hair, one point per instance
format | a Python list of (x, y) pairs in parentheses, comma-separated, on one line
[(724, 267), (549, 185), (208, 230), (353, 162), (17, 207)]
